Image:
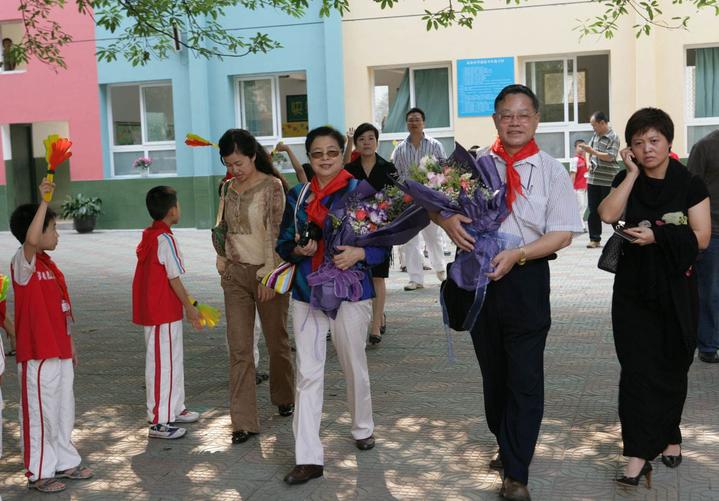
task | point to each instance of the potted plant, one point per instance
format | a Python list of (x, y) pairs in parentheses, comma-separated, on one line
[(143, 163), (83, 211)]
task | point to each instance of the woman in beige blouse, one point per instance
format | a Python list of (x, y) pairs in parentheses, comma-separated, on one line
[(254, 204)]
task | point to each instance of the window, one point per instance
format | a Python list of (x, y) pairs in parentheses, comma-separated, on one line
[(569, 89), (396, 90), (702, 76), (10, 33), (142, 123)]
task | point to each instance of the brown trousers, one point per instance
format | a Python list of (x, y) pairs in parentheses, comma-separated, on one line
[(240, 285)]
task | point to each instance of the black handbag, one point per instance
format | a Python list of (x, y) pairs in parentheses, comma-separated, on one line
[(219, 231), (609, 260), (457, 303)]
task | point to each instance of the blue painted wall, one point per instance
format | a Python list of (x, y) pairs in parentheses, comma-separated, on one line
[(203, 92)]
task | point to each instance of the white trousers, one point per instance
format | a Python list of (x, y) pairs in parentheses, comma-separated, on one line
[(349, 331), (164, 372), (47, 417), (414, 257), (582, 202)]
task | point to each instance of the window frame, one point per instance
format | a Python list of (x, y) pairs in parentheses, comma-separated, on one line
[(276, 103), (146, 146), (434, 131), (566, 127), (689, 119), (2, 61)]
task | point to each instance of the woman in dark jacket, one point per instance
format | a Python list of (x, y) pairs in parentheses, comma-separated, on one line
[(654, 305), (379, 173)]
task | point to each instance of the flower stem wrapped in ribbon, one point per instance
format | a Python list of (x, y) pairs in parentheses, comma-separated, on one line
[(195, 140), (480, 197), (57, 150), (364, 217)]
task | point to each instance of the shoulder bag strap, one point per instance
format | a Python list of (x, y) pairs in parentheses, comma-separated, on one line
[(221, 207), (300, 200)]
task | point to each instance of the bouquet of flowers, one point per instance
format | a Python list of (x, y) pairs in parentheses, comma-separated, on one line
[(142, 163), (472, 187), (365, 217)]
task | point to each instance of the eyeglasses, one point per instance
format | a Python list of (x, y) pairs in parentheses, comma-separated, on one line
[(318, 155), (522, 117)]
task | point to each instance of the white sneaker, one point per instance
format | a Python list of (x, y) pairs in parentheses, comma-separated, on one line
[(413, 286), (442, 276), (187, 417), (166, 431)]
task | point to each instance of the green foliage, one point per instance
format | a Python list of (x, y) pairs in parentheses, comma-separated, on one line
[(80, 206), (146, 30)]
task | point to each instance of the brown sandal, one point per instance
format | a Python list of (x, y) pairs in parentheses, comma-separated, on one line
[(80, 472), (47, 485)]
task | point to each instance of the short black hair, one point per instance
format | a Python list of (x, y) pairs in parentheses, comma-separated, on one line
[(415, 110), (649, 118), (516, 89), (159, 201), (577, 141), (600, 116), (365, 127), (324, 131), (22, 217), (6, 40)]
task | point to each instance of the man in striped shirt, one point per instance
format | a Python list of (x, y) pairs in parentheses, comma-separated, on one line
[(602, 150), (407, 153)]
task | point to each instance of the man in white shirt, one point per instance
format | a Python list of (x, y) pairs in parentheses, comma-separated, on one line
[(408, 153)]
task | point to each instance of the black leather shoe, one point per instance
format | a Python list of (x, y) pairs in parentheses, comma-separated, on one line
[(365, 444), (514, 490), (241, 436), (709, 357), (304, 472), (496, 462), (646, 471), (260, 377), (383, 327), (286, 410), (672, 461)]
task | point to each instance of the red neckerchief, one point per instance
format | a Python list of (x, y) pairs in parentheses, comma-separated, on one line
[(316, 212), (59, 277), (514, 181)]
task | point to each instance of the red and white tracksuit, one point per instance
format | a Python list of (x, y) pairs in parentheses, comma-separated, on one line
[(47, 417), (158, 309)]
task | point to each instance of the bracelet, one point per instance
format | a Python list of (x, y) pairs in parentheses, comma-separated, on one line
[(522, 257)]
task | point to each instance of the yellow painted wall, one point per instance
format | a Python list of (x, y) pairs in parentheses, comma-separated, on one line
[(645, 71)]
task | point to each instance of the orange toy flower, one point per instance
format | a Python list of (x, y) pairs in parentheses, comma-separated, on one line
[(195, 140), (57, 150)]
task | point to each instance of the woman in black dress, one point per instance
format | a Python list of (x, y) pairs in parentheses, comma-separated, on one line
[(379, 172), (654, 305)]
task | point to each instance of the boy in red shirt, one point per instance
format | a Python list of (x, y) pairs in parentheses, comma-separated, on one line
[(578, 172), (158, 298), (45, 351)]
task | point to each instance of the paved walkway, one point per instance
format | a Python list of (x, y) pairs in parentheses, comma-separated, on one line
[(432, 440)]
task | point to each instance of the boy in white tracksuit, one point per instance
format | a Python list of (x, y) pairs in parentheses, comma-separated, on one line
[(45, 351)]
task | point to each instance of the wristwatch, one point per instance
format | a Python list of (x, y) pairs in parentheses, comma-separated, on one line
[(522, 257)]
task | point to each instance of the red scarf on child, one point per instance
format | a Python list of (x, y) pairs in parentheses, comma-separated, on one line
[(514, 181), (59, 277), (317, 212)]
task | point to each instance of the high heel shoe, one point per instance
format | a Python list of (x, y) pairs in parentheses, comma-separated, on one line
[(383, 327), (634, 481), (374, 339), (672, 461)]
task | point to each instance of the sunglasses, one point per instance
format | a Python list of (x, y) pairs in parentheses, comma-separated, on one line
[(318, 155)]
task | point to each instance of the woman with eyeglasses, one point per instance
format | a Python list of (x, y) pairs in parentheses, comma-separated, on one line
[(301, 241), (379, 173), (654, 304), (254, 204)]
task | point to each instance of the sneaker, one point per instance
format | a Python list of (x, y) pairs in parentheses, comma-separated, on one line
[(413, 286), (187, 417), (709, 357), (166, 431), (593, 244), (442, 276)]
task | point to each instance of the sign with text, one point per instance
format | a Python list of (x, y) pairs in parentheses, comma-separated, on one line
[(478, 83)]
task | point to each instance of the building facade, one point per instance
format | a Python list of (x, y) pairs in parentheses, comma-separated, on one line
[(454, 73)]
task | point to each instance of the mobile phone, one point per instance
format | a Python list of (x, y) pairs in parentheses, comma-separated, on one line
[(619, 230)]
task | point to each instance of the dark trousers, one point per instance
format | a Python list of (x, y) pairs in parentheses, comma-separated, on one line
[(509, 340), (595, 195)]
